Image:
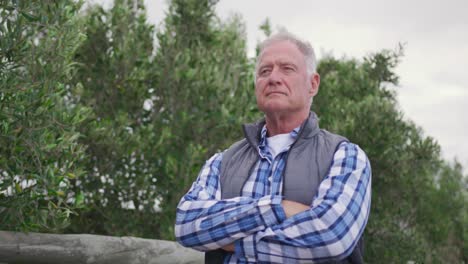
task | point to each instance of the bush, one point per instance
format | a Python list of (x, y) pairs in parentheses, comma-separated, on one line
[(40, 153)]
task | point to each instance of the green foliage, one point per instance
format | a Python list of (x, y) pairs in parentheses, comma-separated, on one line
[(117, 76), (204, 78), (105, 122), (39, 151), (147, 158), (412, 212), (265, 27)]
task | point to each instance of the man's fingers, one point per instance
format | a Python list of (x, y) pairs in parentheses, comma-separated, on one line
[(229, 248), (291, 208)]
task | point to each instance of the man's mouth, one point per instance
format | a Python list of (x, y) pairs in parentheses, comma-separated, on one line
[(275, 92)]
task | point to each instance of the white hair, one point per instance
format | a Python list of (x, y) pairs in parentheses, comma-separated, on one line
[(304, 47)]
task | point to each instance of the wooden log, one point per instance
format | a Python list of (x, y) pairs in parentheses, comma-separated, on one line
[(16, 247)]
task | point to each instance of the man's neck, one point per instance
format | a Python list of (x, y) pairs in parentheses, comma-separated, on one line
[(280, 124)]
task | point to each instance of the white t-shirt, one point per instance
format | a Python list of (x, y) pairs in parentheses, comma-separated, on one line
[(278, 143)]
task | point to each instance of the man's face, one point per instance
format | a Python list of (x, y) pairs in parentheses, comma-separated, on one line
[(283, 85)]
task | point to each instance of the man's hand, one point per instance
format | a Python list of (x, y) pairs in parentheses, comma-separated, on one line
[(291, 208), (229, 248)]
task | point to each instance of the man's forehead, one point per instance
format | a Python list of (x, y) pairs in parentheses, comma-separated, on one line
[(277, 60)]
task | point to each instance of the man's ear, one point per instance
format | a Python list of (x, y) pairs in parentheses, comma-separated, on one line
[(315, 83)]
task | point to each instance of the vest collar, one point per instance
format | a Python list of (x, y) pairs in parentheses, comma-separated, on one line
[(309, 128)]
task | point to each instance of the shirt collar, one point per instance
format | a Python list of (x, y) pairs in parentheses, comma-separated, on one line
[(263, 135)]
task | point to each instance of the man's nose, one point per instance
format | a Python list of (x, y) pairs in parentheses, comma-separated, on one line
[(275, 76)]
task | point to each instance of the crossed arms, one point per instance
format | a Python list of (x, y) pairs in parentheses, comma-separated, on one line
[(271, 229)]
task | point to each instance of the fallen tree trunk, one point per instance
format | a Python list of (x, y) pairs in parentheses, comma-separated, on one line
[(18, 247)]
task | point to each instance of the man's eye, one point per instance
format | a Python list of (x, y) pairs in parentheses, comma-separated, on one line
[(264, 71)]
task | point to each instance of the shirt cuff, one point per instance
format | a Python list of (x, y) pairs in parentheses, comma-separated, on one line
[(244, 249), (271, 210)]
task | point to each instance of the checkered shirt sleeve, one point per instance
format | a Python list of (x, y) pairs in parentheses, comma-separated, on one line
[(205, 222)]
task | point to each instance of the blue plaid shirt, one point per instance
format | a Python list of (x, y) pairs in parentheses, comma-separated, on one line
[(256, 222)]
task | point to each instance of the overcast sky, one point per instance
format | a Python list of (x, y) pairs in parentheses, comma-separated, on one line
[(433, 73)]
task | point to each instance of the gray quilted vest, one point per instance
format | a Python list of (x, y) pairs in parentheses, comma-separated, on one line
[(309, 160)]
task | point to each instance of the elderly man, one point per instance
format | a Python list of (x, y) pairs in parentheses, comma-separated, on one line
[(289, 192)]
